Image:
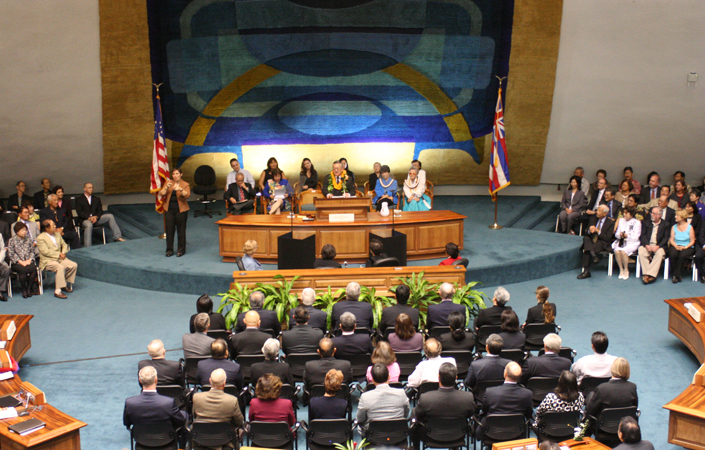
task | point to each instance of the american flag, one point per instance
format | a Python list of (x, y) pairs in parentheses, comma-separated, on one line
[(499, 168), (160, 161)]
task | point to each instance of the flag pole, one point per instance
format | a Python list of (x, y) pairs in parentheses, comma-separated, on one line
[(495, 225), (163, 235), (498, 135)]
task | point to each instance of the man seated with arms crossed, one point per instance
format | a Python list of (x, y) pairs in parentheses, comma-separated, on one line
[(215, 405), (509, 398), (383, 402), (613, 206), (169, 371), (240, 195), (599, 238), (630, 435), (90, 210), (597, 365), (654, 243), (52, 257), (597, 196)]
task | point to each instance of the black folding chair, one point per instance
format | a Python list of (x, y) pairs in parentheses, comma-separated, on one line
[(297, 362), (159, 434), (246, 362), (271, 435), (443, 432), (564, 352), (213, 434), (503, 427), (323, 434), (483, 333), (407, 363), (589, 384), (540, 387), (218, 334), (359, 364), (436, 332), (535, 332), (607, 423), (516, 355), (463, 358), (557, 426), (191, 369), (394, 432), (176, 392), (480, 388)]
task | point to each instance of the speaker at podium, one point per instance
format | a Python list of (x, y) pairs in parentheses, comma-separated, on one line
[(296, 253), (394, 245)]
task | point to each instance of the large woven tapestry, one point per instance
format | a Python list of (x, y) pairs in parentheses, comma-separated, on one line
[(300, 72)]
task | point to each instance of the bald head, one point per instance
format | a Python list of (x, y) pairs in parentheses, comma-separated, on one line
[(217, 379), (156, 349), (251, 319), (446, 291), (326, 348), (512, 372)]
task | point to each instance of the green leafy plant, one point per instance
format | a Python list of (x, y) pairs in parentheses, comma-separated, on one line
[(421, 294), (278, 296), (326, 299), (238, 299), (352, 445), (473, 300), (378, 303)]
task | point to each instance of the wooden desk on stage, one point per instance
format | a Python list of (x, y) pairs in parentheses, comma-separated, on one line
[(686, 419), (427, 233), (62, 432), (380, 278)]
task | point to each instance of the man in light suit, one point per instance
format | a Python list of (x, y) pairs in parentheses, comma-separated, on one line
[(390, 314), (361, 310), (219, 360), (600, 234), (215, 405), (268, 319), (316, 317), (383, 402), (438, 314), (547, 365), (198, 344), (169, 372), (509, 398), (52, 257), (32, 227), (301, 338), (654, 243), (350, 343)]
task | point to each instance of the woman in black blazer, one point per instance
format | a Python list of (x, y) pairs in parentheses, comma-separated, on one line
[(573, 204), (616, 393), (512, 337), (543, 312), (327, 259), (458, 338), (694, 218)]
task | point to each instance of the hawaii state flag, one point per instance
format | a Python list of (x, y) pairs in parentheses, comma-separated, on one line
[(499, 168), (160, 161)]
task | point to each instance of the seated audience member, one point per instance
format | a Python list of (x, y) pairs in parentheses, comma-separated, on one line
[(652, 192), (629, 175), (327, 259), (385, 190), (248, 260), (232, 176), (508, 398), (350, 343), (315, 371), (169, 372), (572, 206), (215, 405), (668, 213), (613, 206), (654, 243), (15, 200), (415, 193), (383, 354), (198, 343), (40, 200), (405, 338), (547, 365), (56, 215), (511, 334), (633, 202), (700, 254), (679, 176), (699, 205), (383, 402), (338, 183), (376, 252), (583, 183), (616, 393), (270, 349), (490, 367), (266, 174), (346, 168), (308, 177), (597, 196), (150, 407), (543, 311), (626, 188), (493, 314), (627, 240), (453, 253), (301, 338), (278, 202), (566, 398), (204, 304), (374, 176), (90, 211), (438, 314), (601, 174), (446, 402), (329, 406), (4, 271), (33, 215), (680, 194), (52, 257), (65, 206), (599, 236), (240, 196), (457, 338), (267, 406), (250, 340), (390, 313), (681, 244), (219, 360), (693, 217), (22, 252), (629, 434), (597, 365), (427, 370), (25, 218), (268, 319), (361, 310), (316, 317)]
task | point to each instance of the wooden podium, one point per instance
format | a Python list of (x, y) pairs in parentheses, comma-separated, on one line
[(359, 206)]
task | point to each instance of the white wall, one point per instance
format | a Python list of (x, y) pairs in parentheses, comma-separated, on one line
[(50, 94), (621, 96)]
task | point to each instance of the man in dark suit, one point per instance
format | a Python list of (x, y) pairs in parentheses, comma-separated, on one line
[(15, 200), (268, 319), (438, 314), (240, 195), (491, 366), (350, 343), (547, 365), (169, 372), (90, 210), (271, 365), (600, 234), (316, 317), (150, 407), (219, 360), (40, 198), (250, 340), (63, 227), (493, 314), (390, 313), (32, 227), (315, 371), (652, 191), (509, 398), (597, 197), (361, 310), (613, 206), (629, 434), (301, 338), (668, 215), (655, 233)]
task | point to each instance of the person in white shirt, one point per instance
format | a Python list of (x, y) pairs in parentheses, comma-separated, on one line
[(597, 365), (232, 176), (427, 371)]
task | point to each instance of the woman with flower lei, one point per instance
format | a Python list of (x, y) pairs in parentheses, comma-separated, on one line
[(415, 193), (386, 189), (338, 184), (276, 206)]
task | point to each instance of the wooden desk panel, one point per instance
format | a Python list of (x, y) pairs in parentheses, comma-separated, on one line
[(427, 234), (586, 444)]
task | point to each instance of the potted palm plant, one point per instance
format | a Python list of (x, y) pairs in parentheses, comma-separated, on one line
[(326, 299), (278, 296), (238, 299)]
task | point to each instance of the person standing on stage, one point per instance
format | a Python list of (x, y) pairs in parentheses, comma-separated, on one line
[(176, 191), (338, 183)]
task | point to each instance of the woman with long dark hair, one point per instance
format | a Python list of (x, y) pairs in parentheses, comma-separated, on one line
[(511, 335), (308, 177), (566, 398), (458, 338), (543, 311), (266, 174)]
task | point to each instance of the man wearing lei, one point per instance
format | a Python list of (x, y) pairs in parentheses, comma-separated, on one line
[(338, 183)]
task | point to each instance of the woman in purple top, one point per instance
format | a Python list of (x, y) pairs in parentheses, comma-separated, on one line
[(405, 338)]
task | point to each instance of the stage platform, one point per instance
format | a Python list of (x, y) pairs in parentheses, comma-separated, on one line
[(521, 251)]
